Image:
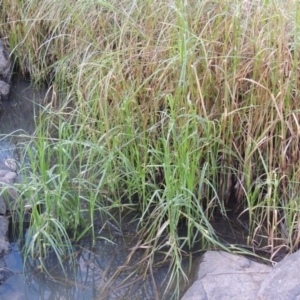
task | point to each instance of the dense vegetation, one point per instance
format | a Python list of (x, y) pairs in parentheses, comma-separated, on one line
[(177, 110)]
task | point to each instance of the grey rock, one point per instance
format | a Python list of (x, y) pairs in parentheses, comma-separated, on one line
[(4, 246), (5, 71), (2, 206), (5, 65), (224, 276), (283, 283), (12, 164), (4, 89), (8, 195), (3, 226), (7, 177)]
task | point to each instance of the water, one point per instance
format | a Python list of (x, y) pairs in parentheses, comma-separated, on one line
[(102, 271), (18, 113), (17, 120), (99, 272)]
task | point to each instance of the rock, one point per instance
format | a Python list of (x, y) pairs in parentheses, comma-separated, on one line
[(4, 89), (5, 65), (3, 227), (8, 193), (226, 276), (7, 176), (12, 164), (2, 206), (4, 244), (283, 282), (5, 72)]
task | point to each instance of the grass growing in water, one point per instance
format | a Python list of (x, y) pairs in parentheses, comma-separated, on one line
[(192, 107)]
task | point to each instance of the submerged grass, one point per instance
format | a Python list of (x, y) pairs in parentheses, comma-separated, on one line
[(191, 107)]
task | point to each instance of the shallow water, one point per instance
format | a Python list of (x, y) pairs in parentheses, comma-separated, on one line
[(95, 266), (17, 114), (99, 271), (16, 122)]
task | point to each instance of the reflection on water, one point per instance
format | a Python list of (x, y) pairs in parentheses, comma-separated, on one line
[(102, 272)]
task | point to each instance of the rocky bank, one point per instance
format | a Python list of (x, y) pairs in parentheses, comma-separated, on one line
[(224, 276), (8, 171)]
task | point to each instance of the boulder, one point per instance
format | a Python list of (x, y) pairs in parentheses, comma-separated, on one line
[(226, 276), (283, 283), (4, 244), (4, 89), (5, 65), (5, 71), (7, 177)]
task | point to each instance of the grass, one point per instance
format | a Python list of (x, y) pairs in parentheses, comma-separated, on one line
[(190, 107)]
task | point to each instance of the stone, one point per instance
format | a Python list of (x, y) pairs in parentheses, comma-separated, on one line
[(4, 244), (225, 276), (7, 177), (5, 72), (3, 226), (12, 164), (2, 206), (5, 65), (283, 282), (4, 89), (9, 194)]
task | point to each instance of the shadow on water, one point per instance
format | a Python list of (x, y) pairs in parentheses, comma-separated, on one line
[(102, 272)]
